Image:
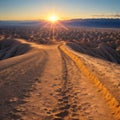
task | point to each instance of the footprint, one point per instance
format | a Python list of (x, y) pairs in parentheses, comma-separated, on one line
[(85, 106), (65, 107), (62, 114)]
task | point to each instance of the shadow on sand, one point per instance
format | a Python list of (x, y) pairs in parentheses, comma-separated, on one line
[(12, 48), (103, 51)]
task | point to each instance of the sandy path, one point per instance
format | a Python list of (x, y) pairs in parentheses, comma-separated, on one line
[(49, 86)]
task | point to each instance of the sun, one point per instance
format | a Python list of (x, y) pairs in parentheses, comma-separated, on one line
[(53, 18)]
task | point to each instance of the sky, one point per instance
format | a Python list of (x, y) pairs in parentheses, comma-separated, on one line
[(64, 9)]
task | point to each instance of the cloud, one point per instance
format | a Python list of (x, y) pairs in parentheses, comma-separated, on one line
[(108, 16)]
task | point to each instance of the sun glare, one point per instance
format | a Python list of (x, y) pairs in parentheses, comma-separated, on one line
[(53, 18)]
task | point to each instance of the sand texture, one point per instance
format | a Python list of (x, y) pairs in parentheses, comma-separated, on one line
[(43, 83)]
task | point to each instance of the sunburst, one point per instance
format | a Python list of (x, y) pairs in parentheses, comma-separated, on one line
[(53, 18)]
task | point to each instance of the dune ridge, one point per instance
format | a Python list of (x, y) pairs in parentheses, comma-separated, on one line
[(102, 51), (11, 48)]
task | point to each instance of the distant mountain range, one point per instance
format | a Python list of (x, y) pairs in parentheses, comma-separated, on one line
[(20, 23), (99, 23)]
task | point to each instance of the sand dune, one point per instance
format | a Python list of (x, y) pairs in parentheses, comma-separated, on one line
[(45, 84), (102, 51), (11, 48), (106, 71)]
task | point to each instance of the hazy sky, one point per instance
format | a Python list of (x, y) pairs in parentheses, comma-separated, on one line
[(65, 9)]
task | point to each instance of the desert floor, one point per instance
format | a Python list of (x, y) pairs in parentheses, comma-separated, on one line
[(45, 84)]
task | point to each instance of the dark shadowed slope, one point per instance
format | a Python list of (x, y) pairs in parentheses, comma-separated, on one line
[(12, 48), (103, 51)]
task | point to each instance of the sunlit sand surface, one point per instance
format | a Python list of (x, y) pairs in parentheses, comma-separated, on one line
[(44, 83)]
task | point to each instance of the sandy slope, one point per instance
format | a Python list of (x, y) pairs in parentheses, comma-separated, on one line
[(45, 84), (11, 48), (102, 51), (107, 72)]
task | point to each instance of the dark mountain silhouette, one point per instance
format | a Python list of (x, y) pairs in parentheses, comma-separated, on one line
[(20, 23), (100, 23)]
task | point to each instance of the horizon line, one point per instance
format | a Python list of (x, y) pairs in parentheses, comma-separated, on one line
[(58, 20)]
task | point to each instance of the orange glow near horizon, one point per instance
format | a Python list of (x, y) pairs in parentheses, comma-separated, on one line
[(53, 22), (53, 18)]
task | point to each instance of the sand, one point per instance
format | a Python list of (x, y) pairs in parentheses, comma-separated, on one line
[(107, 72), (45, 84)]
